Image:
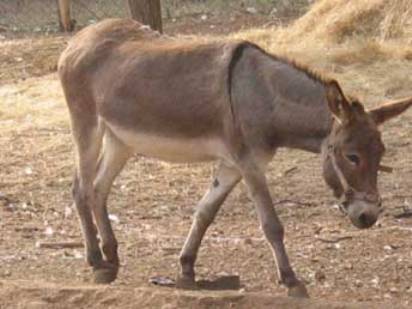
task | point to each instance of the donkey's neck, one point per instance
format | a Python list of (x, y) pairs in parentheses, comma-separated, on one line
[(278, 97), (309, 125), (301, 111)]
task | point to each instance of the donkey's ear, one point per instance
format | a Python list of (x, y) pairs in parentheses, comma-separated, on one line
[(390, 110), (338, 104)]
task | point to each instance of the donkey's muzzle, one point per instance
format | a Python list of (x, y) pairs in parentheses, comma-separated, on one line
[(363, 214)]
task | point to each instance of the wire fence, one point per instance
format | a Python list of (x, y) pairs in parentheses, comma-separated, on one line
[(42, 15)]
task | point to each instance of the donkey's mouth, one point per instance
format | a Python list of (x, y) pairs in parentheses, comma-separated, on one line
[(364, 221), (363, 214)]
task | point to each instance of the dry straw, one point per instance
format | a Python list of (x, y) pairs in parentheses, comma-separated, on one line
[(339, 20)]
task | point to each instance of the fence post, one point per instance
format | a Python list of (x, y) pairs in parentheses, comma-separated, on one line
[(148, 12), (65, 20)]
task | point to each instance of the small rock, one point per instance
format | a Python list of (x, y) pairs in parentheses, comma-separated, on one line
[(348, 266), (375, 282), (68, 211), (274, 11), (114, 218), (162, 281), (320, 276), (49, 231), (251, 10), (77, 255), (203, 17), (248, 241), (11, 207), (336, 206)]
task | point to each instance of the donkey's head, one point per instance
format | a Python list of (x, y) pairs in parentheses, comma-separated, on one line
[(353, 152)]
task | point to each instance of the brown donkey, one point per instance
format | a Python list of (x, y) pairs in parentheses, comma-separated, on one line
[(131, 91)]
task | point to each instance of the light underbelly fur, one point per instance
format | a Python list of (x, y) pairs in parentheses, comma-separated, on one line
[(182, 150)]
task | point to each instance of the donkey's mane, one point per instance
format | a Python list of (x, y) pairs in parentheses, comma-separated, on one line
[(312, 74), (309, 72)]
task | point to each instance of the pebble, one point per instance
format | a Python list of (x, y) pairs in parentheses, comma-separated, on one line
[(251, 10), (348, 266), (320, 275), (375, 282), (114, 218), (248, 241)]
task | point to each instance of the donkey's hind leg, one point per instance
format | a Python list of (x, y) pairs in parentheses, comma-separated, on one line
[(87, 136), (224, 181), (112, 160)]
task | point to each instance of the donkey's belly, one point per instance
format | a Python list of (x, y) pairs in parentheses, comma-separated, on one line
[(183, 150)]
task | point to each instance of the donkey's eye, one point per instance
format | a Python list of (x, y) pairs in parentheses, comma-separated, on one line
[(354, 159)]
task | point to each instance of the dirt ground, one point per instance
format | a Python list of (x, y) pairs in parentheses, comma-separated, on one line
[(152, 203)]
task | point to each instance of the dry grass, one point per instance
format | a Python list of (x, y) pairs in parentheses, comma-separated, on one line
[(370, 51), (366, 43), (336, 21), (27, 57)]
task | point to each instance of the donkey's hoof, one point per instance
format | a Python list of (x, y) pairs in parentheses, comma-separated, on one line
[(298, 291), (186, 283), (104, 275)]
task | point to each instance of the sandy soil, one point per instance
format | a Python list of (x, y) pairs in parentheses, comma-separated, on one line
[(152, 204), (36, 295)]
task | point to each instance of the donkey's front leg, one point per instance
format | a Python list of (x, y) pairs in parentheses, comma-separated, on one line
[(272, 228), (224, 181)]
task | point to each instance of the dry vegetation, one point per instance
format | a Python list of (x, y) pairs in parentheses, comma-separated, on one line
[(365, 39), (365, 44), (337, 21)]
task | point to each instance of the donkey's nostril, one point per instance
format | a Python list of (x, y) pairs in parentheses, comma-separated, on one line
[(366, 220), (363, 219)]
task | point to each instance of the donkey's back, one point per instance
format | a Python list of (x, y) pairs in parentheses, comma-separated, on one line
[(162, 97)]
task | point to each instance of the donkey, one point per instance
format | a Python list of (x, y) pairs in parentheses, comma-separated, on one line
[(132, 91)]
